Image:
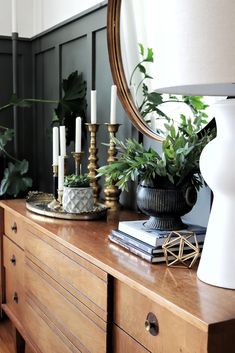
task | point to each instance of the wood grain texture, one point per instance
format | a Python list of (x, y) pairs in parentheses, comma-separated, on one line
[(14, 227), (6, 337), (203, 314), (2, 280), (177, 289), (46, 336), (64, 269), (19, 342), (15, 323), (130, 313), (7, 344), (73, 318), (123, 343), (14, 277)]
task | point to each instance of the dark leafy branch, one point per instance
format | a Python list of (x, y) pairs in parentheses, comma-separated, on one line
[(72, 104)]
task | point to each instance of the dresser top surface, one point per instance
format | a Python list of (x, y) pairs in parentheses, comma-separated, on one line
[(176, 288)]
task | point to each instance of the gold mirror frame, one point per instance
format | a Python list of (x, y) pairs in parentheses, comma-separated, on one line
[(119, 78), (118, 74)]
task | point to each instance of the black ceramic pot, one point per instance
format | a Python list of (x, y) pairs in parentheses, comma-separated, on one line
[(165, 203)]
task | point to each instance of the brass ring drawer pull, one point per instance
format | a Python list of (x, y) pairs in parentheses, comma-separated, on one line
[(151, 324), (15, 297), (14, 227), (13, 260)]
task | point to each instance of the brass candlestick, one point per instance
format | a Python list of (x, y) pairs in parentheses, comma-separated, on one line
[(66, 158), (54, 204), (112, 192), (93, 159), (60, 196), (77, 160)]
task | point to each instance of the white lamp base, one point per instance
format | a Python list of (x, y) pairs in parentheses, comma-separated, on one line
[(217, 164)]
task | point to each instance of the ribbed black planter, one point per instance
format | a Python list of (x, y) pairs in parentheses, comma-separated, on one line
[(165, 203)]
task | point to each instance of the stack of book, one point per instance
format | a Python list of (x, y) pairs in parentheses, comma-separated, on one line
[(147, 244)]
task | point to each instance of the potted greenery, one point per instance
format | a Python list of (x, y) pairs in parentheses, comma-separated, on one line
[(77, 195), (168, 182)]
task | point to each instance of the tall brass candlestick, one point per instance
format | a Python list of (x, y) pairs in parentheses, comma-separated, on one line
[(93, 159), (77, 160), (112, 192)]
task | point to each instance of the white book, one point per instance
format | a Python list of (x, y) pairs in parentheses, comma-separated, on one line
[(155, 237)]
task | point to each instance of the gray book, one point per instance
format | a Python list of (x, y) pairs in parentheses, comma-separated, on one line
[(144, 255), (156, 258), (129, 240), (155, 237)]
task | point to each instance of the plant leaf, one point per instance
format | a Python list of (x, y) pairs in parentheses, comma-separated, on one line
[(13, 181)]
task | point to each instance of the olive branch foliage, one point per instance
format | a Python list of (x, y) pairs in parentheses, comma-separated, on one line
[(183, 141)]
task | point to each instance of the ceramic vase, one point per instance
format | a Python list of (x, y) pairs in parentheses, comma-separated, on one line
[(165, 203), (77, 200)]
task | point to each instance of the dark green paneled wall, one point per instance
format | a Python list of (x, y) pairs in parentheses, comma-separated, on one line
[(44, 61), (24, 90)]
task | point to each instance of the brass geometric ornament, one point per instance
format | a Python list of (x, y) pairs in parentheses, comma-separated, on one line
[(184, 251)]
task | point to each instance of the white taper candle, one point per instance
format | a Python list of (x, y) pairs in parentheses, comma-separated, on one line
[(113, 104), (55, 146), (62, 141), (61, 173), (78, 135), (93, 107)]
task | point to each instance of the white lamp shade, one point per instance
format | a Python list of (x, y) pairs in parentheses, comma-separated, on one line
[(195, 47)]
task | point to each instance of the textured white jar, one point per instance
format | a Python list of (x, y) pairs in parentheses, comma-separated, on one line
[(78, 200)]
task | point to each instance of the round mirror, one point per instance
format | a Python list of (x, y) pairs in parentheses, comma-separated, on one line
[(131, 38), (115, 7)]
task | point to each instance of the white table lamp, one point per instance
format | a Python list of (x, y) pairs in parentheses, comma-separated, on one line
[(195, 55)]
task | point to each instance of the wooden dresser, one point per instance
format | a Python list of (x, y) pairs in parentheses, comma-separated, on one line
[(67, 289)]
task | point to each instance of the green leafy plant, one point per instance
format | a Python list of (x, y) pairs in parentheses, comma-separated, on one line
[(153, 102), (182, 144), (72, 104), (15, 178), (77, 181), (178, 162)]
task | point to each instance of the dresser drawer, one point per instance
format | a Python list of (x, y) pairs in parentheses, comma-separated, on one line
[(14, 228), (123, 343), (84, 280), (13, 261), (44, 335), (77, 322), (171, 333)]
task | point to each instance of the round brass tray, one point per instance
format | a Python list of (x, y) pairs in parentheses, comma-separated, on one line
[(38, 202)]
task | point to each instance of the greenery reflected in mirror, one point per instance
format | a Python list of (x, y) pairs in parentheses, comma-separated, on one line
[(135, 70), (164, 108)]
